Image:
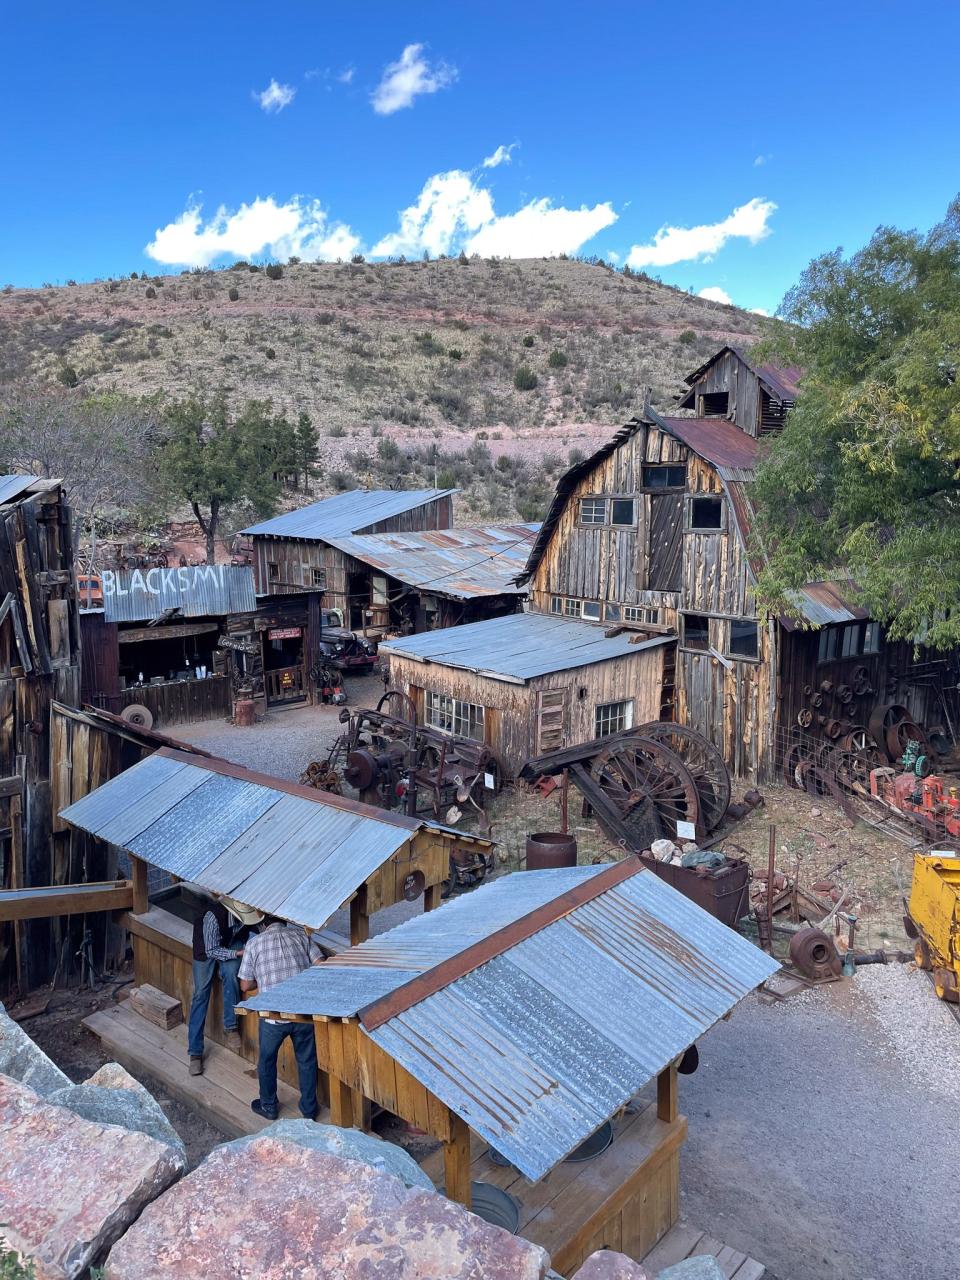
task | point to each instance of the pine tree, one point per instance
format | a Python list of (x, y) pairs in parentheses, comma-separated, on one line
[(306, 448)]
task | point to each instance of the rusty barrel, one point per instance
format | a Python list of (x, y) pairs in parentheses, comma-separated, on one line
[(549, 849), (243, 713)]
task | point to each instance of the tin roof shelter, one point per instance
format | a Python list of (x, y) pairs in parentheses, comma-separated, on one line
[(529, 1012), (358, 511)]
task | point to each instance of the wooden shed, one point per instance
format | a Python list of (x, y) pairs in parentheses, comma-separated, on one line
[(529, 683), (756, 395), (39, 662), (514, 1022)]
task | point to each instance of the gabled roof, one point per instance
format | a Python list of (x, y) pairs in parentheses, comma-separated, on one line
[(463, 564), (13, 487), (780, 381), (288, 850), (346, 513), (520, 646), (538, 1005)]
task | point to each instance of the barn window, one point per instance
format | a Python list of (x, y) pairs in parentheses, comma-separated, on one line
[(772, 412), (706, 513), (634, 613), (744, 639), (827, 650), (850, 646), (378, 589), (556, 604), (613, 717), (660, 476), (451, 715), (273, 571), (622, 511), (590, 609), (696, 631), (611, 612), (714, 404), (593, 510), (871, 637), (319, 577), (571, 608)]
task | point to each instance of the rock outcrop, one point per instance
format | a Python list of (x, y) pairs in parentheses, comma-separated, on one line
[(610, 1265), (113, 1096), (22, 1060)]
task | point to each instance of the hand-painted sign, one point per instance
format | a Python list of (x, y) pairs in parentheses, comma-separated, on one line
[(284, 633), (238, 644), (193, 590)]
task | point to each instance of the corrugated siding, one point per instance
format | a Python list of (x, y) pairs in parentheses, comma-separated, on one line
[(346, 513), (197, 591), (293, 856), (12, 487), (542, 1043)]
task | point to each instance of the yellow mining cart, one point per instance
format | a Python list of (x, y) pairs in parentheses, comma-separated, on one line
[(935, 915)]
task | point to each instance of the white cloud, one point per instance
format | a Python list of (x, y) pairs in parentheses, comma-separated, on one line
[(613, 257), (407, 78), (346, 75), (691, 244), (453, 212), (502, 155), (275, 96), (713, 293), (760, 161), (298, 228), (759, 311)]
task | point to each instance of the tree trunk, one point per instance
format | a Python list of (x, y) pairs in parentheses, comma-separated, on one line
[(208, 528)]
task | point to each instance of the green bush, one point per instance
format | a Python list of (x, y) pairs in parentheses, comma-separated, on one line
[(151, 292), (524, 379), (388, 450), (357, 259), (270, 353), (528, 340), (68, 376), (274, 271), (557, 359), (463, 259), (687, 337), (336, 432), (253, 268), (427, 344), (455, 353), (233, 295)]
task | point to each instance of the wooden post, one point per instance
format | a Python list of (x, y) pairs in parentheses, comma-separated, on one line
[(456, 1162), (359, 920), (341, 1103), (17, 882), (141, 902), (667, 1101), (431, 897)]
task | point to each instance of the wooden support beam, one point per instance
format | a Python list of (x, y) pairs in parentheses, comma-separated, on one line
[(141, 899), (341, 1103), (65, 900), (359, 920), (667, 1094), (431, 897), (456, 1162)]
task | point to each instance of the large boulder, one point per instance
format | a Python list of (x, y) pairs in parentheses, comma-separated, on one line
[(113, 1096), (22, 1060), (610, 1265), (352, 1144), (69, 1188), (279, 1211), (701, 1267)]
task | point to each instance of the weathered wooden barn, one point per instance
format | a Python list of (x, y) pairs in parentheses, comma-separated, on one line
[(756, 396), (39, 662)]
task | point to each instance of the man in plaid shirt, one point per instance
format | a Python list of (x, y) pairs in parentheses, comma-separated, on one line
[(280, 951)]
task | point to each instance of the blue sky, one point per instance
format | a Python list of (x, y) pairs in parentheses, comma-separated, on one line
[(625, 120)]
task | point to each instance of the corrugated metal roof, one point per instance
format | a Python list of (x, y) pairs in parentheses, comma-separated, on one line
[(11, 487), (197, 591), (294, 852), (520, 646), (718, 441), (539, 1045), (346, 513), (782, 381), (821, 603), (461, 563)]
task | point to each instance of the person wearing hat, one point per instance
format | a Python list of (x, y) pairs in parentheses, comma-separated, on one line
[(218, 935)]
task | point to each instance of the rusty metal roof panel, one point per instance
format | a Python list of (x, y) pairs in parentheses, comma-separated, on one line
[(194, 591), (520, 646), (295, 856), (461, 563), (345, 513), (823, 603), (718, 441), (783, 381), (13, 487), (540, 1044)]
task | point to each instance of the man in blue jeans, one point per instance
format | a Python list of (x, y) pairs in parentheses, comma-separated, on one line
[(278, 952), (215, 948)]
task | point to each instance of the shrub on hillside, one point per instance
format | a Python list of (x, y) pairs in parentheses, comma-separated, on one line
[(524, 379), (274, 271), (528, 340), (151, 292), (557, 359), (270, 353), (68, 376), (687, 337), (455, 353), (233, 295)]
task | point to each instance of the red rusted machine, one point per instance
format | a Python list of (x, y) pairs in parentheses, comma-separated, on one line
[(932, 802)]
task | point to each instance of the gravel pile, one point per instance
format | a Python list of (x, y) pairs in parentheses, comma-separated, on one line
[(918, 1028)]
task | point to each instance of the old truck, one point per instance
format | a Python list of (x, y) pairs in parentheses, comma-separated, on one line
[(934, 919), (342, 648)]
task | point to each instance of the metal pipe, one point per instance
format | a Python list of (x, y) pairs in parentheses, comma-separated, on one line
[(564, 797), (771, 876)]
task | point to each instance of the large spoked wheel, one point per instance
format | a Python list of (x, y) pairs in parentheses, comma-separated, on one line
[(705, 764), (396, 703), (651, 788)]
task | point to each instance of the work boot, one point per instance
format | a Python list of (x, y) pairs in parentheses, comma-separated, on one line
[(257, 1106), (196, 1066), (234, 1041)]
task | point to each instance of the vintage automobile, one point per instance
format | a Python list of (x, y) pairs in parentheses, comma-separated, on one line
[(342, 648)]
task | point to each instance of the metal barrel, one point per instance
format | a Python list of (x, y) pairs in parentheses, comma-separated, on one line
[(548, 849)]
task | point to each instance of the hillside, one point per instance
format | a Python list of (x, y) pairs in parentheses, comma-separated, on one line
[(423, 354)]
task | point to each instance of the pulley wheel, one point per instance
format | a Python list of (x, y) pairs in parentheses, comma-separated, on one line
[(817, 700), (883, 717), (814, 954), (140, 716), (362, 770), (844, 694)]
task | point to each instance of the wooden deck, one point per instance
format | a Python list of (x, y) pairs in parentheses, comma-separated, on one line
[(684, 1241), (222, 1095)]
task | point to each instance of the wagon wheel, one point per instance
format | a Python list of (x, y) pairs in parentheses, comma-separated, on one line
[(805, 718), (650, 786), (796, 755), (857, 739), (397, 704), (705, 763)]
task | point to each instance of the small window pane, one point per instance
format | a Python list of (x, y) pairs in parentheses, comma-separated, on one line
[(593, 510), (590, 609), (273, 571), (611, 612), (571, 608), (696, 631), (828, 645), (556, 604), (706, 513), (871, 637), (613, 717), (664, 476), (621, 511), (744, 639), (851, 640), (451, 715)]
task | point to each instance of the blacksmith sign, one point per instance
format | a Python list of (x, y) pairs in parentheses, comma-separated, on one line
[(192, 591)]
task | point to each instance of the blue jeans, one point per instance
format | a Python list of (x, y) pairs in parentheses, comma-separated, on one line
[(272, 1037), (203, 974)]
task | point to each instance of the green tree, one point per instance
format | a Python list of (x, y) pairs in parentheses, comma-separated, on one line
[(307, 450), (217, 465), (864, 479)]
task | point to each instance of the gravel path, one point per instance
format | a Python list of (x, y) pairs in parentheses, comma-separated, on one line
[(823, 1131)]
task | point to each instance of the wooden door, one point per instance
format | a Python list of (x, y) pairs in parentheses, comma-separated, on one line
[(666, 534), (551, 709)]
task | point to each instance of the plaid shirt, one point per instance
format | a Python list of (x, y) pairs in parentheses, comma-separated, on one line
[(278, 953)]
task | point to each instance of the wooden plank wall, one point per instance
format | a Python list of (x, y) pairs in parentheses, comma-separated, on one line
[(184, 701), (730, 374)]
